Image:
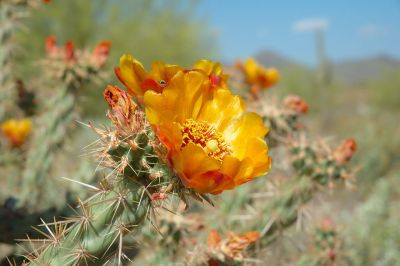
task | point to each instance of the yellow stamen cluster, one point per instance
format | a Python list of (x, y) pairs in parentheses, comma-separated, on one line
[(206, 136)]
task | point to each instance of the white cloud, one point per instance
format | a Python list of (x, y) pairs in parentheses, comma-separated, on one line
[(372, 30), (310, 24)]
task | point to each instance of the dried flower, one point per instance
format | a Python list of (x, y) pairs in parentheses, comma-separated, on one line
[(17, 131), (233, 246), (124, 113)]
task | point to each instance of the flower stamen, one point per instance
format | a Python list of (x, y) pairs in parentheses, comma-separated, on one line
[(206, 136)]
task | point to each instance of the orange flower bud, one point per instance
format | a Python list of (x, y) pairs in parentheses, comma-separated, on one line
[(346, 151), (100, 53), (51, 46), (69, 51), (331, 254), (326, 224), (296, 104), (17, 131), (214, 239)]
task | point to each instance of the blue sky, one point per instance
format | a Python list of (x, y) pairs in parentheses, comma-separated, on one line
[(354, 28)]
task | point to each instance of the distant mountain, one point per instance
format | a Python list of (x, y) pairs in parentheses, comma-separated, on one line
[(357, 71), (349, 72), (273, 59)]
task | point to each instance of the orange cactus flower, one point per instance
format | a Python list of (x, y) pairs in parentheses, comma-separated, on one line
[(137, 80), (214, 72), (51, 46), (100, 53), (69, 51), (17, 131), (257, 76), (212, 145)]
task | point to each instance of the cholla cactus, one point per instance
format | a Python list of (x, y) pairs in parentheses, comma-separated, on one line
[(327, 248), (281, 118), (198, 155), (71, 68), (11, 12), (322, 163), (315, 166), (124, 198)]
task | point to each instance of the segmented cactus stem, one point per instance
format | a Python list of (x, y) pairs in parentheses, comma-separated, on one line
[(7, 27), (97, 233), (283, 211), (52, 129)]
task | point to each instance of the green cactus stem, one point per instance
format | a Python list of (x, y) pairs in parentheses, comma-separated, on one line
[(282, 212), (95, 236), (49, 133)]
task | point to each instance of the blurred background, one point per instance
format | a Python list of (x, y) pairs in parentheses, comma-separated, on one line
[(342, 57)]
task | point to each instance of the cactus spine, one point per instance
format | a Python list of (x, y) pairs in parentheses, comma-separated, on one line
[(120, 205), (52, 130), (8, 14)]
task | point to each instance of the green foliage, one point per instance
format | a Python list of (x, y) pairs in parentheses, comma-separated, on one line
[(384, 93), (150, 30), (374, 237), (300, 81)]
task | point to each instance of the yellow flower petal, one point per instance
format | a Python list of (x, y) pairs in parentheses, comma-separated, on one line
[(194, 166), (240, 132), (223, 108), (180, 100), (131, 73), (214, 71), (209, 67), (211, 144), (164, 72)]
